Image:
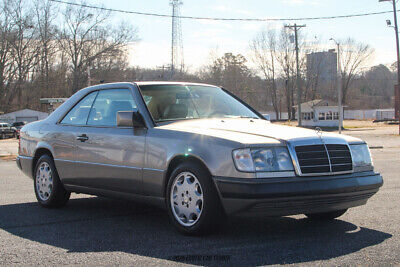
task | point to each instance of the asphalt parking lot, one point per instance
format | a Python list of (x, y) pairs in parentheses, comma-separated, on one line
[(97, 231)]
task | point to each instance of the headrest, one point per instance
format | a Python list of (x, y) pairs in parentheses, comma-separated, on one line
[(175, 111)]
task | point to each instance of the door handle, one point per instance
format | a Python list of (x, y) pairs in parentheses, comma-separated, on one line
[(82, 138)]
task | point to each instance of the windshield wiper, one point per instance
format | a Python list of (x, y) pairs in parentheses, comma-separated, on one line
[(176, 119), (244, 117)]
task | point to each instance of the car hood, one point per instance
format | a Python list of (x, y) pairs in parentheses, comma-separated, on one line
[(246, 131)]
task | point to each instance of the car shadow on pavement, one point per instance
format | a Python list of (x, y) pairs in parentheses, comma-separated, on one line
[(104, 225)]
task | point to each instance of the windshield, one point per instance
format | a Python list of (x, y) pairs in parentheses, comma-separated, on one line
[(177, 102)]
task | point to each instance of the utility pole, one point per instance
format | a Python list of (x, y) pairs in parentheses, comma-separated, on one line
[(397, 86), (339, 86), (296, 27)]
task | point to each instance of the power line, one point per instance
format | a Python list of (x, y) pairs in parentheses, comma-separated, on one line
[(223, 19)]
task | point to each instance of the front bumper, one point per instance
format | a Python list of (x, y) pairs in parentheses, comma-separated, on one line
[(296, 195)]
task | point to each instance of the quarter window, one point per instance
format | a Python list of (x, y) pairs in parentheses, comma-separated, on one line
[(78, 115), (107, 104)]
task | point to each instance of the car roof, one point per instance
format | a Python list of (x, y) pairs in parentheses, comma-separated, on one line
[(139, 83)]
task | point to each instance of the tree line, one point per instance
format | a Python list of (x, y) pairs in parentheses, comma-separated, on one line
[(49, 50)]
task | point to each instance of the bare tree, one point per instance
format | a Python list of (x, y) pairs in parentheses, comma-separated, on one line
[(353, 56), (86, 37), (231, 72), (7, 66), (18, 39), (264, 48), (44, 20)]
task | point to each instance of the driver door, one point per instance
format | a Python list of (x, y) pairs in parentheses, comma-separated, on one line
[(110, 157)]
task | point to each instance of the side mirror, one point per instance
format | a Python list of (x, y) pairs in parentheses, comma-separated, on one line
[(130, 119)]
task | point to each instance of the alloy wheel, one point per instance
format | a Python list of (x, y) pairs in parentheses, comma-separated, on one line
[(186, 199), (44, 181)]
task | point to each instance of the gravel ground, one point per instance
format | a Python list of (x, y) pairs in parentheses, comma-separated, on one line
[(97, 231)]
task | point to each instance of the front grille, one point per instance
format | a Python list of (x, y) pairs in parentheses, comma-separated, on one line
[(329, 158)]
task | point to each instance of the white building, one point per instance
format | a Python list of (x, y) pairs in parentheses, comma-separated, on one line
[(319, 113), (25, 115), (52, 103)]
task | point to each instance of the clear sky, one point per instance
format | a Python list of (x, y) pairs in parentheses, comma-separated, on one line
[(202, 37)]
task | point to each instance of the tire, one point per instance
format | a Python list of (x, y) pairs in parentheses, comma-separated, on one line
[(3, 136), (201, 195), (326, 216), (49, 191)]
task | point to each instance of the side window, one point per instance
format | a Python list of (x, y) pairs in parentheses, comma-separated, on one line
[(79, 114), (107, 104)]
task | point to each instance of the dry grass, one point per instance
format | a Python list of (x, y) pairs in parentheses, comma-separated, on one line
[(8, 158)]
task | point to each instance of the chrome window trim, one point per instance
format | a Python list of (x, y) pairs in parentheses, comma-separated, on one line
[(305, 142), (137, 97), (139, 90), (59, 121)]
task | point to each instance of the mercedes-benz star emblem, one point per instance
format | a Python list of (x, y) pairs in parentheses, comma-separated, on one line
[(318, 131)]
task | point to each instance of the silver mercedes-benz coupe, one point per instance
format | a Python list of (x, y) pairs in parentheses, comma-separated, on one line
[(194, 149)]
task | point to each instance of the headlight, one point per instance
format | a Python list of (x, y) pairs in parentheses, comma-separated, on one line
[(273, 159), (361, 155)]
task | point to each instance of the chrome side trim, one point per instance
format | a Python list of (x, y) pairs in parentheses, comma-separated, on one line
[(151, 169), (108, 165), (99, 164), (25, 157)]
